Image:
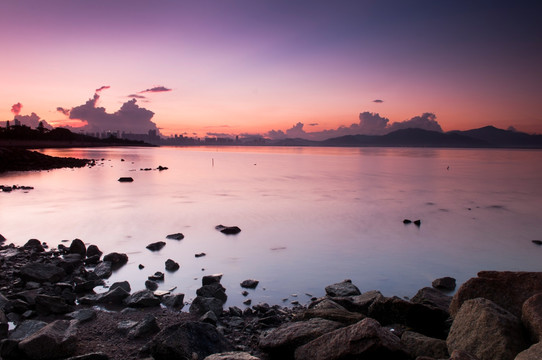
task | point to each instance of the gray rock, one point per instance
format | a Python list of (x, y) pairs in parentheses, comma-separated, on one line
[(156, 246), (490, 284), (214, 290), (183, 340), (462, 355), (26, 328), (200, 305), (78, 247), (210, 279), (432, 297), (103, 270), (115, 296), (421, 345), (445, 283), (531, 316), (486, 330), (344, 288), (55, 340), (338, 315), (41, 273), (365, 338), (209, 317), (532, 353), (142, 298), (83, 315), (326, 303), (283, 341), (146, 327), (124, 285), (233, 355), (172, 265), (174, 301), (125, 326), (249, 283)]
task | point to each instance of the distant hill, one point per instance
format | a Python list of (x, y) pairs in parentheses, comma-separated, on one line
[(503, 138)]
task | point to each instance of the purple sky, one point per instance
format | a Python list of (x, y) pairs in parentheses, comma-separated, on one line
[(264, 67)]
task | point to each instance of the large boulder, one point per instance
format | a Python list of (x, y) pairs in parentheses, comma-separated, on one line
[(200, 305), (174, 301), (116, 259), (41, 273), (142, 298), (215, 290), (421, 345), (491, 284), (210, 279), (104, 269), (365, 338), (34, 245), (445, 283), (46, 304), (56, 340), (432, 297), (183, 340), (93, 250), (78, 247), (283, 340), (26, 328), (532, 353), (424, 319), (486, 330), (531, 316), (344, 288), (146, 327), (339, 315)]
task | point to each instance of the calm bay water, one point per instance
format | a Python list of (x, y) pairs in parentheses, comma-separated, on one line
[(309, 216)]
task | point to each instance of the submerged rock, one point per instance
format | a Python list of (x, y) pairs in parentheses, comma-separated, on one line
[(171, 265), (126, 179), (156, 246), (228, 230), (249, 283), (176, 236)]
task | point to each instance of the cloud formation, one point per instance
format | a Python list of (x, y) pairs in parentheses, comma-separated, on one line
[(378, 101), (369, 124), (63, 111), (135, 96), (32, 121), (156, 89), (129, 118), (102, 88), (16, 108)]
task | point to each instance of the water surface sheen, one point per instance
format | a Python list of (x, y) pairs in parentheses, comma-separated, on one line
[(309, 216)]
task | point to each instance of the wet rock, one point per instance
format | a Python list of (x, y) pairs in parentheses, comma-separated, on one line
[(113, 296), (282, 341), (344, 288), (445, 283), (104, 270), (423, 319), (156, 246), (34, 245), (200, 255), (174, 301), (146, 327), (325, 303), (83, 315), (417, 222), (182, 341), (151, 285), (421, 345), (531, 316), (41, 273), (78, 247), (215, 290), (56, 340), (158, 276), (537, 242), (233, 355), (365, 338), (124, 285), (200, 305), (116, 259), (26, 328), (126, 179), (171, 265), (210, 279), (142, 298), (176, 236), (407, 221), (93, 250), (486, 330), (249, 283), (46, 304), (490, 284), (432, 297), (228, 230)]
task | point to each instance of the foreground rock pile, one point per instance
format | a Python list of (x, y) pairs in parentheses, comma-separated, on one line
[(16, 159), (50, 311)]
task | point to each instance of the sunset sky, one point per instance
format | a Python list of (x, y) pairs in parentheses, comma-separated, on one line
[(259, 66)]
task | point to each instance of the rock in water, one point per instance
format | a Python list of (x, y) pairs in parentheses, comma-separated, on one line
[(344, 288), (126, 179), (486, 330), (176, 236), (116, 259), (156, 246), (446, 283), (228, 230), (78, 247), (172, 265), (250, 284)]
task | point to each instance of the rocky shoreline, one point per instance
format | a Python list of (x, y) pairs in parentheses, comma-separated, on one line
[(18, 159), (48, 310)]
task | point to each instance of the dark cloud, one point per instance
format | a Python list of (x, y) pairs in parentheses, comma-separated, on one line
[(369, 124), (129, 118), (156, 89), (220, 135), (102, 88), (313, 124), (16, 108), (135, 96), (32, 121), (62, 110), (378, 101)]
